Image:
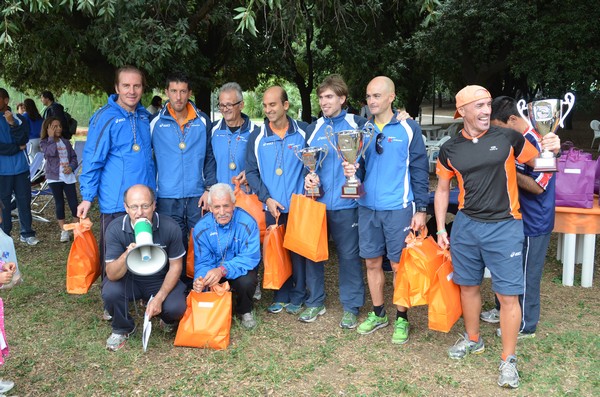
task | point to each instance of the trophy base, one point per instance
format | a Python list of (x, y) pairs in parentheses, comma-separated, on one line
[(315, 192), (353, 192), (545, 164)]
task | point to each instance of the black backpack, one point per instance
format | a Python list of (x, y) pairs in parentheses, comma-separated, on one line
[(72, 123)]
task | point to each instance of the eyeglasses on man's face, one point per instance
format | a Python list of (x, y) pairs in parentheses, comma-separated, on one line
[(228, 106), (136, 207)]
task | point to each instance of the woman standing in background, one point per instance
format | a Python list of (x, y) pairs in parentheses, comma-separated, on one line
[(35, 120)]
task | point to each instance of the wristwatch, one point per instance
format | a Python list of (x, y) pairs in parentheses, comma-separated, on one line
[(421, 209)]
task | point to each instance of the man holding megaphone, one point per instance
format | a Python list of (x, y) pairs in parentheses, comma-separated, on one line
[(138, 246)]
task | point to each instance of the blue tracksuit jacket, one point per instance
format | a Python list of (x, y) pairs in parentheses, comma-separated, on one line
[(110, 165), (400, 174), (230, 147), (266, 152), (331, 173), (182, 173), (236, 244)]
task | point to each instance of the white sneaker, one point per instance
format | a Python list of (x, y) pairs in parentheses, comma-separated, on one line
[(64, 236), (6, 385)]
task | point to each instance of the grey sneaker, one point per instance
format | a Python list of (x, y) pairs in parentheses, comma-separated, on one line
[(310, 314), (293, 309), (29, 240), (520, 335), (248, 320), (166, 327), (117, 341), (509, 376), (106, 316), (464, 346), (6, 385), (257, 293), (491, 316), (64, 236), (348, 321)]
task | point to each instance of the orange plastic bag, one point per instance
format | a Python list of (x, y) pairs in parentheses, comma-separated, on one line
[(401, 287), (206, 322), (189, 261), (252, 205), (306, 232), (83, 265), (419, 261), (277, 261), (444, 298)]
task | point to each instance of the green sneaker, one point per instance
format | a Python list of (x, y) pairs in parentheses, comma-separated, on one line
[(348, 321), (372, 323), (400, 335), (310, 314)]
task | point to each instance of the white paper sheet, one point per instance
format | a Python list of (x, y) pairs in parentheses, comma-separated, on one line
[(147, 330)]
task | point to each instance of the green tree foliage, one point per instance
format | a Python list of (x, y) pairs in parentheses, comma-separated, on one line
[(77, 46), (514, 47)]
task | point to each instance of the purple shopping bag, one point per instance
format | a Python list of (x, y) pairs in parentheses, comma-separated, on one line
[(575, 179), (597, 180)]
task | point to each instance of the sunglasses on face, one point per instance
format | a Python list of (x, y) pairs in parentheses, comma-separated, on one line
[(378, 140)]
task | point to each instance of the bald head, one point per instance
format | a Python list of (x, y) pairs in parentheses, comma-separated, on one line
[(276, 105), (380, 96), (384, 83), (139, 190), (139, 202), (276, 91)]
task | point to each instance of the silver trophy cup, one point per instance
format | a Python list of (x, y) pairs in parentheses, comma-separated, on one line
[(350, 145), (545, 116), (312, 157)]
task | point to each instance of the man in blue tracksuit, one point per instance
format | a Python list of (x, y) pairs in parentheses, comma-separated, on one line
[(117, 153), (14, 171), (183, 155), (227, 246), (229, 136), (275, 173), (342, 213), (397, 192)]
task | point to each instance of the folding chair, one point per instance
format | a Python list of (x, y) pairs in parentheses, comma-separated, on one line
[(36, 176), (79, 145)]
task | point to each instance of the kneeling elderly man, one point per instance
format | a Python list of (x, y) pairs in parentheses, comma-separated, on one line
[(121, 285), (227, 247)]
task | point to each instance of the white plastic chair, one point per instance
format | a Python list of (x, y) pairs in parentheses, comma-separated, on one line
[(595, 126), (453, 129), (433, 152)]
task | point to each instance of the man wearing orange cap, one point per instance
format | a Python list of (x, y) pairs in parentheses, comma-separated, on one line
[(487, 230)]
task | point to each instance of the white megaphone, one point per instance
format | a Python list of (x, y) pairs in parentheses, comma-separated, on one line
[(146, 258)]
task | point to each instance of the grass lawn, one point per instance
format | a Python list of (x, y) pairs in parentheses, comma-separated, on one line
[(57, 347)]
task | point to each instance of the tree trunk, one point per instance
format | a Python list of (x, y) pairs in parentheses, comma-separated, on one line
[(202, 99)]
